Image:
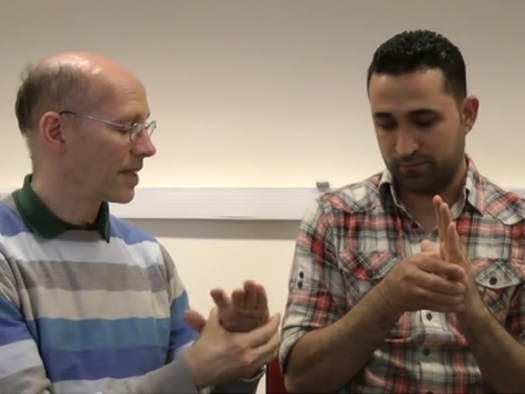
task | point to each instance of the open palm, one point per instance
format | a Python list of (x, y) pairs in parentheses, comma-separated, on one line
[(243, 311)]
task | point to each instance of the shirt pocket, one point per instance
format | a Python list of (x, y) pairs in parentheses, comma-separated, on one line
[(497, 281), (362, 270)]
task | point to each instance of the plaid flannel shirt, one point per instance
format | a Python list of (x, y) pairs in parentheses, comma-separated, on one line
[(349, 240)]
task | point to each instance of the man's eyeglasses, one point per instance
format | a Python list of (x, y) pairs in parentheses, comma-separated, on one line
[(133, 130)]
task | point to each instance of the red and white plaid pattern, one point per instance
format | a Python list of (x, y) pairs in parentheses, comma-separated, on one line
[(349, 239)]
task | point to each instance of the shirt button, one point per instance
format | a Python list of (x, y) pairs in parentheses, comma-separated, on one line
[(426, 351), (493, 280), (429, 316)]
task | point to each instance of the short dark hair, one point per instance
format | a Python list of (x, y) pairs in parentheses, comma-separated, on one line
[(49, 88), (419, 50)]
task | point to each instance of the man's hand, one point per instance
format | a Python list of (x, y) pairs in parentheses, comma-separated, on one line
[(424, 281), (453, 251), (445, 225), (245, 310), (219, 356)]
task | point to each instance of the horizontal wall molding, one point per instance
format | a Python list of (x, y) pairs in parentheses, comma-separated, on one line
[(272, 203)]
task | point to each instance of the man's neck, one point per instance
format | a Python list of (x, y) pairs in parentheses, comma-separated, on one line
[(421, 207), (64, 202)]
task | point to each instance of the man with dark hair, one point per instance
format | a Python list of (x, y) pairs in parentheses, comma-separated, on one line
[(417, 51), (411, 280), (90, 303)]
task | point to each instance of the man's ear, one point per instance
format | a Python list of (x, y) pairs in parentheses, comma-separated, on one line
[(50, 129), (469, 112)]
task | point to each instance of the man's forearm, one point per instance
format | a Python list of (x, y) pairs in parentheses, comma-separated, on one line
[(500, 357), (326, 359), (175, 377), (245, 386)]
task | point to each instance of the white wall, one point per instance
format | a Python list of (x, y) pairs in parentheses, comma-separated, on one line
[(264, 93)]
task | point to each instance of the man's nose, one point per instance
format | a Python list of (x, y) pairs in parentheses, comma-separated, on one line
[(406, 143), (143, 146)]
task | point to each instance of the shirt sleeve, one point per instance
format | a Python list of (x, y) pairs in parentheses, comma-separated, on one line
[(182, 335), (316, 295), (22, 369)]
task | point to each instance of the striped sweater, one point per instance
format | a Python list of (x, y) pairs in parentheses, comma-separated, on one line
[(84, 314)]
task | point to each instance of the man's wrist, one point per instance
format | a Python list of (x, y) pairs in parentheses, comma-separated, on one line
[(389, 312), (256, 375), (200, 380), (475, 317)]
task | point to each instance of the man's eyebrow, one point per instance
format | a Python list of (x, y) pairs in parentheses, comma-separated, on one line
[(125, 119), (382, 114), (423, 111), (415, 112)]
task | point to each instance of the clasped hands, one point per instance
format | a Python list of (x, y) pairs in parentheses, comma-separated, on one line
[(439, 278), (236, 340), (245, 310)]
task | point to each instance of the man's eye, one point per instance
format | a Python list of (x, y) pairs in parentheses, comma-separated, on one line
[(122, 129), (424, 123), (386, 125)]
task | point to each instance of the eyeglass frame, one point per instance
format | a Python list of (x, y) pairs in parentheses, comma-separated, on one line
[(133, 131)]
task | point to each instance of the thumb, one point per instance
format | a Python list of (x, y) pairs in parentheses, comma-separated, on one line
[(195, 320), (428, 247)]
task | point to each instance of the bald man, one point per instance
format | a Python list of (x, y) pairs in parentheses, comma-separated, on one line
[(90, 303)]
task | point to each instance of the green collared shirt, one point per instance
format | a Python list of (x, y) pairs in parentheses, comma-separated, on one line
[(45, 223)]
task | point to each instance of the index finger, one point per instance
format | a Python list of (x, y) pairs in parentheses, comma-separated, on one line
[(262, 299), (437, 201), (446, 221), (238, 298), (454, 246), (250, 295), (445, 218), (440, 267), (220, 298)]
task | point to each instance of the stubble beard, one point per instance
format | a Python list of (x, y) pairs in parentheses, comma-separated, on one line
[(436, 178)]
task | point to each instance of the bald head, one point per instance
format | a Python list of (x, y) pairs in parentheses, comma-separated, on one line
[(76, 81), (91, 65)]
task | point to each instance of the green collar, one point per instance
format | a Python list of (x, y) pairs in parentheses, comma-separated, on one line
[(39, 218)]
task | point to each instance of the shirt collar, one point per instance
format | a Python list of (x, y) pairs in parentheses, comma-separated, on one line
[(473, 190), (42, 221)]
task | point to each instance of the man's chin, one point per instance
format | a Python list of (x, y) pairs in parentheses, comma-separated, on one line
[(122, 197), (422, 188), (414, 184)]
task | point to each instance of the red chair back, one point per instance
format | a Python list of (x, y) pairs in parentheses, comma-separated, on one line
[(274, 378)]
